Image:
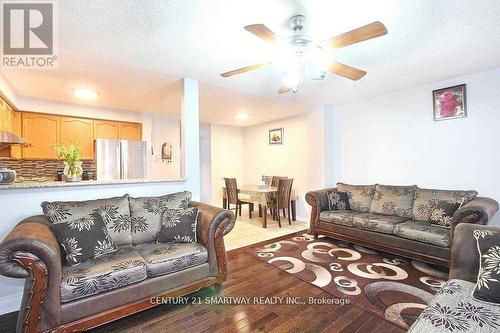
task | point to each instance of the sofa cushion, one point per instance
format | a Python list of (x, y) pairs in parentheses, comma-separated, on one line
[(110, 271), (171, 257), (393, 200), (454, 310), (114, 211), (377, 222), (443, 213), (147, 212), (178, 225), (426, 200), (488, 280), (83, 239), (338, 200), (342, 217), (360, 196), (423, 232)]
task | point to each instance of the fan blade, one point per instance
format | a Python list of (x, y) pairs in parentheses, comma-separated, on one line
[(263, 32), (346, 71), (243, 70), (284, 88), (369, 31)]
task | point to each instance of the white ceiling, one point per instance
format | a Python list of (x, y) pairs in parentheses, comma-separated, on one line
[(134, 53)]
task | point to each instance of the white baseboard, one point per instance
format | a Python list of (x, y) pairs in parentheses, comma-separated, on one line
[(10, 303)]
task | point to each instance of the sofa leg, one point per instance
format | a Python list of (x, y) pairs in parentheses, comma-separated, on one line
[(315, 234)]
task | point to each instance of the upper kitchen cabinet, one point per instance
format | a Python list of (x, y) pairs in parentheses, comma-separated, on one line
[(5, 116), (130, 131), (78, 131), (105, 129), (15, 150), (42, 131)]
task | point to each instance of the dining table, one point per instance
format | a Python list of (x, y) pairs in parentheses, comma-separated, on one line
[(261, 195)]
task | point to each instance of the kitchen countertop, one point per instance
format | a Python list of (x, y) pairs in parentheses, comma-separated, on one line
[(48, 184)]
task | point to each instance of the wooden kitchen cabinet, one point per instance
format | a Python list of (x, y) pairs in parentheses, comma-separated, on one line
[(130, 131), (78, 131), (105, 129), (15, 150), (42, 131), (5, 117)]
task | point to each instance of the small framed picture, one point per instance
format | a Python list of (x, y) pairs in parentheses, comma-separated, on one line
[(449, 103), (276, 136)]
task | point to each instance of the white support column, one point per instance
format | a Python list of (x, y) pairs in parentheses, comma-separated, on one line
[(190, 135)]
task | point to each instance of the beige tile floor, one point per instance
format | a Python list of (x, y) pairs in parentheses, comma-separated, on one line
[(249, 231)]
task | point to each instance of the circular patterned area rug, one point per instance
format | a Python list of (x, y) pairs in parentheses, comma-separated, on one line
[(394, 288)]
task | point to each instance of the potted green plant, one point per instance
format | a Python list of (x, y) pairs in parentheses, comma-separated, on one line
[(72, 165)]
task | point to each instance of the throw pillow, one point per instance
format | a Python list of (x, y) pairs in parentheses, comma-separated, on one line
[(114, 211), (338, 200), (83, 239), (393, 200), (488, 280), (147, 214), (360, 196), (443, 213), (426, 200), (178, 225)]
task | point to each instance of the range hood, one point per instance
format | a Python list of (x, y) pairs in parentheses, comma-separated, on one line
[(8, 138)]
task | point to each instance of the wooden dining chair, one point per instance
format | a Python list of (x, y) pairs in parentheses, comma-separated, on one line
[(267, 180), (274, 183), (232, 197), (282, 200), (275, 179)]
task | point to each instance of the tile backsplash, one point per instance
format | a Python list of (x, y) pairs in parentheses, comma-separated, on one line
[(30, 169)]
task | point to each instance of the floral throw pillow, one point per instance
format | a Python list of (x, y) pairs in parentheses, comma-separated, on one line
[(83, 239), (178, 225), (338, 200), (147, 214), (488, 280), (443, 213)]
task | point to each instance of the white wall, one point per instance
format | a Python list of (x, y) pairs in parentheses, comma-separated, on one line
[(227, 158), (392, 139), (205, 163), (165, 130)]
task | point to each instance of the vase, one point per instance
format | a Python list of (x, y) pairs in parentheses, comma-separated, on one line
[(73, 172)]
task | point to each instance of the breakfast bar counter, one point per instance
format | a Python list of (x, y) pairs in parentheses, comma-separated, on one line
[(51, 184)]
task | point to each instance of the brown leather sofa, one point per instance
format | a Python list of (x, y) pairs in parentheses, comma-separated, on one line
[(31, 251), (477, 211), (456, 294)]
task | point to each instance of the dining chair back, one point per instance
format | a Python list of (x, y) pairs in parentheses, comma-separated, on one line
[(268, 180), (231, 190), (284, 192), (275, 180)]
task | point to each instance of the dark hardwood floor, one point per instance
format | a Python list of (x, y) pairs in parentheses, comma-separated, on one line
[(250, 277)]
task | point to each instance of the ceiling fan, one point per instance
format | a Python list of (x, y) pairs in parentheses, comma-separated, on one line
[(299, 53)]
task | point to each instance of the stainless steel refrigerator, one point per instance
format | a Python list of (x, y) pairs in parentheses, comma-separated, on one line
[(120, 159)]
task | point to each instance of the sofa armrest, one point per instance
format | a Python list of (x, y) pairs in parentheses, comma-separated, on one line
[(464, 263), (31, 251), (213, 224), (319, 202), (477, 211)]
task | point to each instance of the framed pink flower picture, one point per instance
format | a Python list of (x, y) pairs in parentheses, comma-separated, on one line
[(449, 103)]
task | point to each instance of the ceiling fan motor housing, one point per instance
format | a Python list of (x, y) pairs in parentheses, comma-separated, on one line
[(297, 22)]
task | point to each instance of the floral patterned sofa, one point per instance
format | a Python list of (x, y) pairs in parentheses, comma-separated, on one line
[(454, 308), (60, 297), (404, 220)]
